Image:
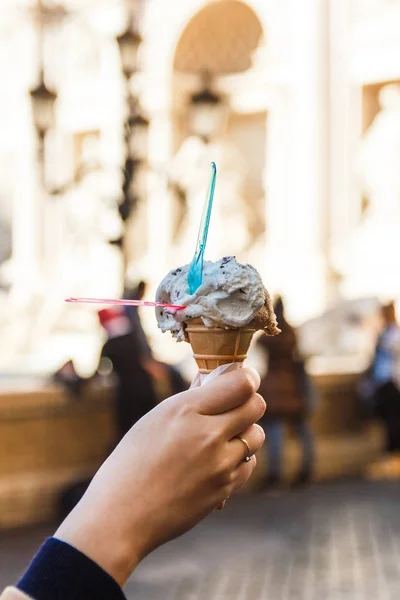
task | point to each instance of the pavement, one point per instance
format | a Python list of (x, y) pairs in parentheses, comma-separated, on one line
[(333, 541)]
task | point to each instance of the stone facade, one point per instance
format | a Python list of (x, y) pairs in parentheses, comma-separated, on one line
[(49, 441), (302, 80)]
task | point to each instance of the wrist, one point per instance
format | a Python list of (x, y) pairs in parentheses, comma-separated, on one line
[(103, 540), (60, 568)]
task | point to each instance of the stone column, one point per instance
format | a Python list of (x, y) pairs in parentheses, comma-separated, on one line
[(345, 127), (27, 226), (276, 183), (297, 173)]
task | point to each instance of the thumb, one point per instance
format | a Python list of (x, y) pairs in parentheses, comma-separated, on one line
[(226, 392)]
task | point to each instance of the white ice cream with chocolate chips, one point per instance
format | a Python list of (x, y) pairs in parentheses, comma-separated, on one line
[(230, 296)]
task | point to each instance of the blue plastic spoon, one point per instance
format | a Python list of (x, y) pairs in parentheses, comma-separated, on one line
[(195, 276)]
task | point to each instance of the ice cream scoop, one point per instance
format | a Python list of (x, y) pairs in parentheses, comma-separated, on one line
[(232, 296)]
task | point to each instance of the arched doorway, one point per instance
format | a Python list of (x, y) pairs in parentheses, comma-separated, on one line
[(220, 39)]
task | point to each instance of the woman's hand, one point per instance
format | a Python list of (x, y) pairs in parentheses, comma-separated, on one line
[(171, 469)]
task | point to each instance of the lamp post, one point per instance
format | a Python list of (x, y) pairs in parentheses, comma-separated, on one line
[(135, 126), (43, 101), (206, 111), (128, 44)]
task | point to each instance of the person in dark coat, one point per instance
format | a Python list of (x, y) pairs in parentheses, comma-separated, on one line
[(384, 377), (287, 391), (137, 293), (163, 375), (135, 395)]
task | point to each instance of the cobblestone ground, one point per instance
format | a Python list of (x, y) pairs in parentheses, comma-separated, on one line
[(331, 542)]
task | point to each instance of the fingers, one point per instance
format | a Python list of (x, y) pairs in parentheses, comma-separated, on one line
[(237, 480), (242, 417), (236, 470), (227, 392), (242, 474), (237, 449)]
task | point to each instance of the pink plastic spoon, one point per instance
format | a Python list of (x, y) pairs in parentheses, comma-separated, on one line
[(123, 302)]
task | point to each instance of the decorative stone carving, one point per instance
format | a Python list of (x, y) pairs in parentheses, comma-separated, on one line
[(380, 156), (189, 170), (372, 259)]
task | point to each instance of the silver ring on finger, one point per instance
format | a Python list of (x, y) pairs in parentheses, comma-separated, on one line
[(248, 456)]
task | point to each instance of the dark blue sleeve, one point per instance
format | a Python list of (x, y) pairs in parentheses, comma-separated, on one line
[(60, 572)]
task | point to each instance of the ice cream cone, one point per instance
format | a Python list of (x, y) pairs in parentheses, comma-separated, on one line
[(213, 346)]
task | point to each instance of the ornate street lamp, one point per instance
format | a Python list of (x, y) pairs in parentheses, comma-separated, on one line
[(43, 101), (136, 126), (206, 111), (128, 44), (136, 146)]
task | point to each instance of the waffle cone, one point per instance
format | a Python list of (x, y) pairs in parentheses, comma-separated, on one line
[(213, 346)]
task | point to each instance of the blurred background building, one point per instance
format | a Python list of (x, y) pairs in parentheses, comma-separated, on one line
[(110, 114)]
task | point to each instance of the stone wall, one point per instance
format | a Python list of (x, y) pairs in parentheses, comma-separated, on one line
[(49, 441)]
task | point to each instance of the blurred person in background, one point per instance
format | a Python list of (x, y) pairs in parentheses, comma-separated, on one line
[(166, 378), (127, 350), (380, 387), (137, 292), (69, 379), (130, 358), (289, 393), (142, 381)]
